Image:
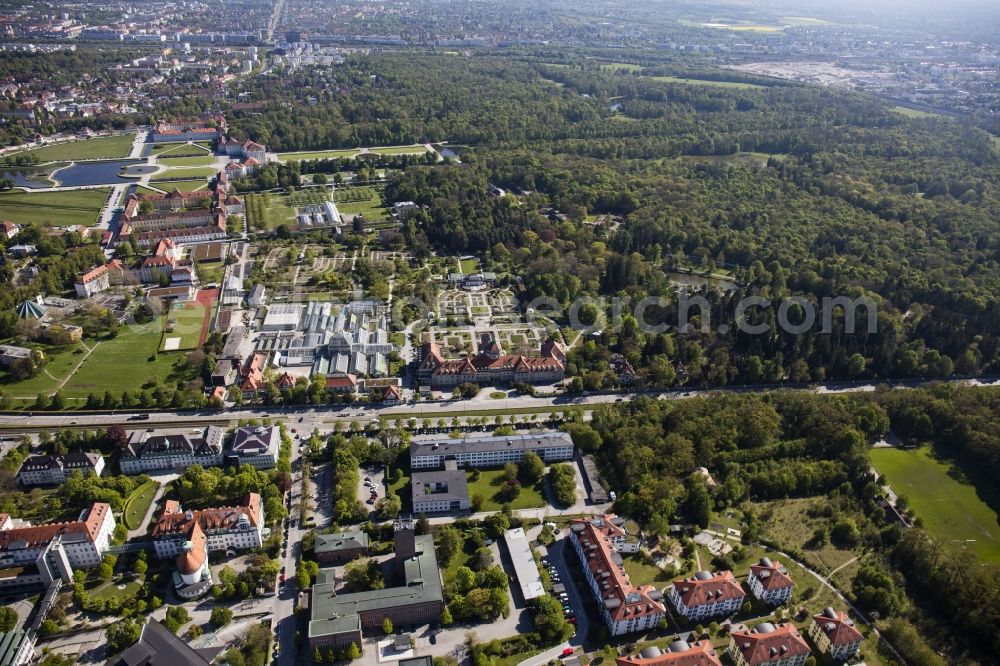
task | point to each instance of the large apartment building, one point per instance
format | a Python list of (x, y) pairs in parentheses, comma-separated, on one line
[(706, 595), (625, 608), (768, 645), (490, 365), (496, 451), (769, 582), (153, 450), (53, 470), (226, 528), (82, 543), (834, 634)]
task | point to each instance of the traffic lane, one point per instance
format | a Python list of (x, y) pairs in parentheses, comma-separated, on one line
[(557, 558)]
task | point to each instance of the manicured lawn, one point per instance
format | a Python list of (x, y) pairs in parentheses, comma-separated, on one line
[(125, 363), (111, 591), (60, 361), (950, 509), (205, 161), (182, 185), (179, 150), (55, 209), (705, 82), (416, 149), (318, 155), (470, 266), (99, 148), (137, 504), (490, 483), (189, 320)]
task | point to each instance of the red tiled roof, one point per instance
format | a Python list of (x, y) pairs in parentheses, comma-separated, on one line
[(38, 535), (760, 647), (345, 381), (699, 654), (695, 591), (174, 521), (772, 577), (93, 274), (190, 561), (622, 599), (840, 630)]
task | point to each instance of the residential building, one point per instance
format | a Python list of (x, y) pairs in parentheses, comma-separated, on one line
[(496, 451), (92, 282), (255, 445), (151, 450), (159, 647), (53, 470), (769, 582), (21, 251), (768, 645), (679, 653), (82, 543), (341, 547), (415, 598), (225, 528), (490, 365), (624, 607), (834, 634), (706, 595), (10, 355), (9, 229), (440, 491), (212, 128)]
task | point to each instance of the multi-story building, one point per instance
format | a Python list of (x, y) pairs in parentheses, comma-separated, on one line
[(151, 450), (341, 547), (93, 282), (212, 129), (440, 491), (496, 451), (707, 595), (769, 582), (82, 543), (490, 365), (768, 645), (53, 470), (833, 633), (255, 445), (625, 608), (225, 528), (679, 653), (337, 620)]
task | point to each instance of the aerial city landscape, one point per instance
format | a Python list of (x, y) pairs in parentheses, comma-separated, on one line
[(499, 333)]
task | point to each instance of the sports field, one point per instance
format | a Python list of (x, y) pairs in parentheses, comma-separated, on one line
[(104, 147), (949, 509), (53, 208), (189, 323)]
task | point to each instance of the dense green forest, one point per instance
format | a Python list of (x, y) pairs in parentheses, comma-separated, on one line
[(793, 445)]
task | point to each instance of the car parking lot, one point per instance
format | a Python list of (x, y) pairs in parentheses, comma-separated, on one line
[(371, 487)]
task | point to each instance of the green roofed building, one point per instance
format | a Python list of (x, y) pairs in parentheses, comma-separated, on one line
[(337, 620), (341, 547)]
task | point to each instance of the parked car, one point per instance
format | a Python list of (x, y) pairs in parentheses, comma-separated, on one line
[(566, 652)]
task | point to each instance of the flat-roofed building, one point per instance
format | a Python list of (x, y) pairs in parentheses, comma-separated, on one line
[(440, 491), (496, 451), (528, 578)]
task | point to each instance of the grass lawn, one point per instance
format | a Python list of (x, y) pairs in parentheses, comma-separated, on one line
[(179, 150), (914, 113), (470, 266), (190, 319), (137, 504), (490, 483), (182, 185), (624, 66), (203, 161), (210, 271), (705, 82), (60, 361), (318, 155), (416, 149), (111, 591), (99, 148), (366, 201), (641, 572), (126, 363), (950, 509), (53, 208)]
